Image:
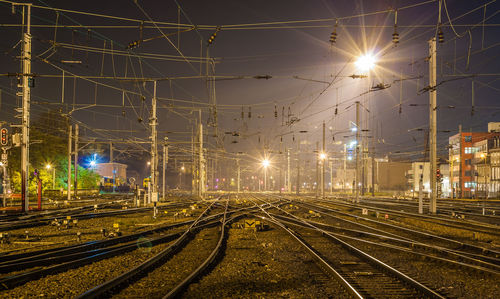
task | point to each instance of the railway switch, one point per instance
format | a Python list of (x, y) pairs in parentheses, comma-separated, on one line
[(4, 238)]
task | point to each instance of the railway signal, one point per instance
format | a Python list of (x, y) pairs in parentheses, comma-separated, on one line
[(4, 136)]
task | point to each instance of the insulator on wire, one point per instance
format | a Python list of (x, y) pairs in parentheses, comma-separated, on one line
[(333, 36), (395, 35), (213, 36), (275, 111), (440, 35)]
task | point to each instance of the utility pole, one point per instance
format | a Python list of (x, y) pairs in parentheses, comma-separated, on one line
[(238, 182), (280, 160), (356, 177), (153, 190), (26, 94), (432, 123), (460, 181), (288, 183), (111, 152), (201, 175), (298, 166), (323, 161), (76, 161), (345, 168), (373, 170), (165, 158), (317, 169), (70, 132), (331, 177)]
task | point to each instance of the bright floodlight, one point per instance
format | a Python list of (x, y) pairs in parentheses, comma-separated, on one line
[(149, 163), (365, 62), (92, 163), (322, 156), (265, 163), (48, 166)]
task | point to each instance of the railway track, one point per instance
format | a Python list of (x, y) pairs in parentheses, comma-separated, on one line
[(128, 278), (413, 236), (449, 222), (361, 274)]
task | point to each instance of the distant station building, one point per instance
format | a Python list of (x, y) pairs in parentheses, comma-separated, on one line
[(112, 174), (471, 167), (422, 170)]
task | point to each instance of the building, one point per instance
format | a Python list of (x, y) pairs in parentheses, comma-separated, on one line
[(422, 170), (486, 167), (462, 149), (494, 161), (115, 171), (391, 176)]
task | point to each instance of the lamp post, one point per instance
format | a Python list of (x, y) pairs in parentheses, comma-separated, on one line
[(322, 158), (364, 63), (48, 167), (265, 164)]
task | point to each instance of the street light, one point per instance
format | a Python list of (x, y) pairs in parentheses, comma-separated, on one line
[(365, 62), (265, 164), (322, 156), (48, 167)]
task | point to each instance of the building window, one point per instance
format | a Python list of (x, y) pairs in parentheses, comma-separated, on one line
[(470, 150), (420, 166), (470, 184), (468, 138), (468, 173), (468, 161)]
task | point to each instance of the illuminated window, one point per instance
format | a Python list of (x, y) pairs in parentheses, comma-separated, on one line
[(468, 138), (470, 150)]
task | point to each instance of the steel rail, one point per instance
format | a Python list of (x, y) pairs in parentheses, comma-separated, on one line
[(411, 231), (478, 227), (440, 259), (178, 289), (131, 274), (324, 265), (383, 266)]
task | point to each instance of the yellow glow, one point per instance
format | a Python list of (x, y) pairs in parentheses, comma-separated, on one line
[(483, 155), (265, 163), (48, 166), (322, 156), (365, 62)]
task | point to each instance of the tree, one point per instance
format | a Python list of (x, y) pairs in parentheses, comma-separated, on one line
[(48, 145)]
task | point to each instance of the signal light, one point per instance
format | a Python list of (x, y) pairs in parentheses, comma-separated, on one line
[(4, 136), (438, 174), (275, 111)]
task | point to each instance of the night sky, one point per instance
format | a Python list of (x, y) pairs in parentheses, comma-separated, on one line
[(287, 40)]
